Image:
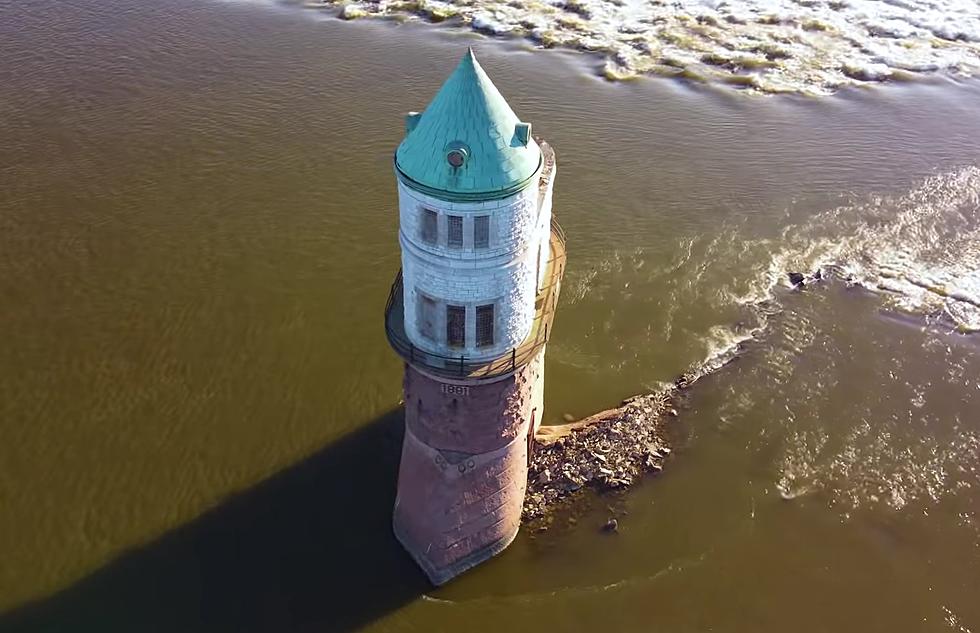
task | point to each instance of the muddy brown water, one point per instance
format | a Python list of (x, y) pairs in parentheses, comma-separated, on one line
[(199, 409)]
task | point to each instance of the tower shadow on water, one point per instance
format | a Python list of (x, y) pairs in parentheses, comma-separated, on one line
[(310, 549)]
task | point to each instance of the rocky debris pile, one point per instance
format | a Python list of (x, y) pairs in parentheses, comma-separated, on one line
[(610, 450), (606, 451)]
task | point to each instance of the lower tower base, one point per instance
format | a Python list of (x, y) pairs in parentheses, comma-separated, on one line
[(464, 463)]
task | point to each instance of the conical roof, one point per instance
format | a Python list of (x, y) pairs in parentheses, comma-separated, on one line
[(467, 144)]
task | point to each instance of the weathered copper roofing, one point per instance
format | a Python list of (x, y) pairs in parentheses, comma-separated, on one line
[(492, 149)]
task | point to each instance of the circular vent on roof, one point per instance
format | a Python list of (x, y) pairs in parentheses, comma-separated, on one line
[(456, 158), (456, 154)]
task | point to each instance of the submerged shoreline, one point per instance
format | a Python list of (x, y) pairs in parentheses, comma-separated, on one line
[(612, 449), (809, 47)]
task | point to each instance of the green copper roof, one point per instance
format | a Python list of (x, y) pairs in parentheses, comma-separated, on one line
[(469, 119)]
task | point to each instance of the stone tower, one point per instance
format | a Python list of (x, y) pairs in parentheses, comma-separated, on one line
[(470, 313)]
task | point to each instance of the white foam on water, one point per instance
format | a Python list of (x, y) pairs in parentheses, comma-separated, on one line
[(766, 46), (920, 250), (722, 345), (953, 621), (870, 471), (798, 472), (924, 247), (427, 598)]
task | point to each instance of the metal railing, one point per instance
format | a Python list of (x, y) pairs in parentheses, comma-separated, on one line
[(559, 234), (461, 366)]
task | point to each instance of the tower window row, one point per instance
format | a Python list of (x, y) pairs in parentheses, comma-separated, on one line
[(455, 322), (429, 230)]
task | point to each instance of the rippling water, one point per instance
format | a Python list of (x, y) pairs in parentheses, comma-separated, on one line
[(197, 236)]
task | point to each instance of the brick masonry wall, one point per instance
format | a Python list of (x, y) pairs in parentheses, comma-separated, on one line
[(463, 471)]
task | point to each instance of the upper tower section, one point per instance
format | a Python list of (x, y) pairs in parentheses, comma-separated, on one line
[(468, 145), (474, 200)]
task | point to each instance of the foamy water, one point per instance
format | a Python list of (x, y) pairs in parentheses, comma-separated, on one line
[(920, 250), (768, 46), (870, 469)]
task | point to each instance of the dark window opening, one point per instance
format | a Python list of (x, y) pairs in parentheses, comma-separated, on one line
[(456, 326), (484, 325), (455, 231), (430, 226), (481, 231)]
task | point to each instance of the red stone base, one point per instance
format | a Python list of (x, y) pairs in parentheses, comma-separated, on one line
[(464, 465)]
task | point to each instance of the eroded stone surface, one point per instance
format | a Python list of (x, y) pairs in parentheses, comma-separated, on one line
[(464, 466)]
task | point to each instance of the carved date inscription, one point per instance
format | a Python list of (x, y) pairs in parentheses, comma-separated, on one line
[(456, 390)]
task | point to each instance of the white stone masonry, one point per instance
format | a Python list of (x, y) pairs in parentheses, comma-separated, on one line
[(505, 273)]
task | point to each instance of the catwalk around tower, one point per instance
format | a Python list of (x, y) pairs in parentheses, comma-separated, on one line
[(470, 312)]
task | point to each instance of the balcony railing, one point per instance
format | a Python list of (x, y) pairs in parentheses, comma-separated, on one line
[(463, 367)]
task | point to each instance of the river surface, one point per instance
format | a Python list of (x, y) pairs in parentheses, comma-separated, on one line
[(199, 408)]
